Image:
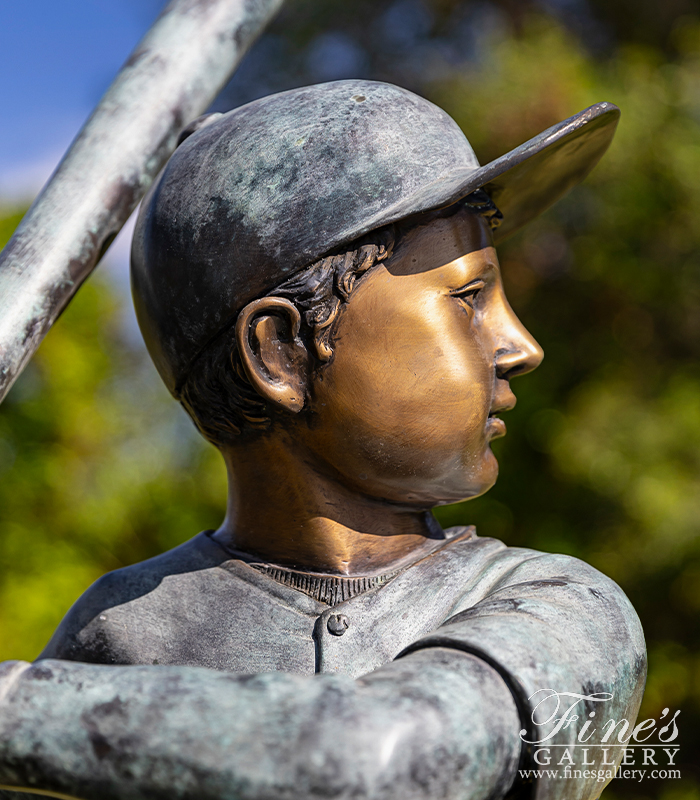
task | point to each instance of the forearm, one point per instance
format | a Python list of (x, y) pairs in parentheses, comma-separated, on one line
[(435, 724)]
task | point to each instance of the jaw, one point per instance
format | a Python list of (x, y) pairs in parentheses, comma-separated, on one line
[(468, 483), (454, 480)]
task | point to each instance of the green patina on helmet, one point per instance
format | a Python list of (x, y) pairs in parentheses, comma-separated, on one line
[(263, 191)]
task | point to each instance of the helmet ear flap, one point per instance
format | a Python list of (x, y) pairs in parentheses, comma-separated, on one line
[(196, 125)]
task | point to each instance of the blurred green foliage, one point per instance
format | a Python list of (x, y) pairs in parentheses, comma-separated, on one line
[(99, 468)]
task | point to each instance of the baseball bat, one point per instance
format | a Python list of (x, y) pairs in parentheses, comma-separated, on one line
[(171, 77)]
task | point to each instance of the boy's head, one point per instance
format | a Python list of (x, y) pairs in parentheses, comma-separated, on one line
[(218, 393), (268, 221)]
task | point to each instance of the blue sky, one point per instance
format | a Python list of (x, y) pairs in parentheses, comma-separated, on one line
[(56, 60)]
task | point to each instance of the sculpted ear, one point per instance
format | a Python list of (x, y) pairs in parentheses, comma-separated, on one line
[(274, 358)]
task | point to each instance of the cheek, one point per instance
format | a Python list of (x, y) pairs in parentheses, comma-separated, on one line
[(411, 392)]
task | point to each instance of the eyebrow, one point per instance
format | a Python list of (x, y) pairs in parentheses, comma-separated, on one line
[(485, 269)]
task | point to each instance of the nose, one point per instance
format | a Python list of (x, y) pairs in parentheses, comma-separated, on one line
[(520, 352)]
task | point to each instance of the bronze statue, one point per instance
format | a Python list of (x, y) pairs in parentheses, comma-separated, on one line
[(316, 280)]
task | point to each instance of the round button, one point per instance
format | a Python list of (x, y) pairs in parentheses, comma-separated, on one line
[(337, 624)]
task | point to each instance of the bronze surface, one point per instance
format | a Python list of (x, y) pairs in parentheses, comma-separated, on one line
[(399, 421)]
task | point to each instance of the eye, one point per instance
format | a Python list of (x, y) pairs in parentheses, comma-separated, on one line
[(469, 293)]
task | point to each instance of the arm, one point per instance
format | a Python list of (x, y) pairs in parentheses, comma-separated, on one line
[(438, 723), (552, 622)]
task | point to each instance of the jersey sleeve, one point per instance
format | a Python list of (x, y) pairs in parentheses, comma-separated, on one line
[(438, 723), (568, 643)]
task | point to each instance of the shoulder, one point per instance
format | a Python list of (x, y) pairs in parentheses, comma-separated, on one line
[(104, 623), (561, 590), (503, 574), (502, 564)]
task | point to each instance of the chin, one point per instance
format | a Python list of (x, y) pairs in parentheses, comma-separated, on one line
[(477, 484), (466, 486)]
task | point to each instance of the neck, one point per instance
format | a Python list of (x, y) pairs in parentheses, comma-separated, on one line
[(285, 510)]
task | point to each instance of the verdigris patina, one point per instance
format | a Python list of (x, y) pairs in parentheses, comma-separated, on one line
[(316, 280), (173, 74)]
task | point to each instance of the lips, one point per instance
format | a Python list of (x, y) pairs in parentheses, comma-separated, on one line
[(504, 400)]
